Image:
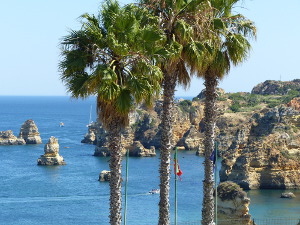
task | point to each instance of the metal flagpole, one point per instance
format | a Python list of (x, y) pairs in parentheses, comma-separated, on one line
[(216, 171), (126, 183), (176, 166)]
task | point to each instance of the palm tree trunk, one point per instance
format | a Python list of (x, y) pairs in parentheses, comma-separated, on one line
[(114, 135), (165, 149), (210, 83)]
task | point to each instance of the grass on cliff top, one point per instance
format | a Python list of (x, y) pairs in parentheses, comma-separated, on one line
[(246, 102)]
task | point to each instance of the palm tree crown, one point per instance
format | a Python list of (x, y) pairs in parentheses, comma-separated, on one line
[(109, 57)]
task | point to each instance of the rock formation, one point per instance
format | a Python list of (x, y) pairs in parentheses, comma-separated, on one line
[(265, 151), (8, 138), (90, 136), (104, 175), (288, 195), (29, 132), (51, 156), (145, 127), (139, 150), (233, 205), (295, 104), (272, 87)]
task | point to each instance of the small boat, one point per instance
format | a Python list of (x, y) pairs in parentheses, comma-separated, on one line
[(61, 124), (154, 191)]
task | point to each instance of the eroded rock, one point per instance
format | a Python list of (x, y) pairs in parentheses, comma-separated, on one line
[(51, 156), (8, 138), (29, 132), (104, 175), (233, 204)]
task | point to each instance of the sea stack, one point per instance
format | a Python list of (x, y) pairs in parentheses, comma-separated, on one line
[(8, 138), (233, 204), (104, 175), (51, 156), (138, 150), (29, 132)]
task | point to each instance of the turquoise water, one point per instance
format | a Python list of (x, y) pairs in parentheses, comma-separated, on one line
[(72, 194)]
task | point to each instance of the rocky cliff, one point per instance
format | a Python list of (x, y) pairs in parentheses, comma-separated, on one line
[(264, 151), (259, 142), (8, 138), (29, 132), (145, 128), (272, 87)]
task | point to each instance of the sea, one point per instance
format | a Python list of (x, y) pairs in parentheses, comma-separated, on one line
[(71, 194)]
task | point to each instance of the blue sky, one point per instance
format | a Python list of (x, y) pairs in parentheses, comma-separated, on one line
[(31, 31)]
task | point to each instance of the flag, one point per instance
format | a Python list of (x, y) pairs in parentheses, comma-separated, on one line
[(177, 169), (213, 156)]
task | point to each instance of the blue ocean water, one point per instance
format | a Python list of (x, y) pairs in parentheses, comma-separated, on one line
[(72, 194)]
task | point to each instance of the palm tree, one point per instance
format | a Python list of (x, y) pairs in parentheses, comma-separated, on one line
[(109, 57), (183, 22), (227, 46)]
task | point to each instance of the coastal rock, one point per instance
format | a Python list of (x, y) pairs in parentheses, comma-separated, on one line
[(51, 156), (104, 175), (233, 205), (267, 155), (29, 132), (8, 138), (288, 195), (139, 150), (192, 139), (90, 136), (220, 92), (272, 87)]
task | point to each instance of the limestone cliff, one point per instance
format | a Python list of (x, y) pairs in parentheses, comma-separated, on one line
[(8, 138), (29, 132), (145, 128), (265, 151)]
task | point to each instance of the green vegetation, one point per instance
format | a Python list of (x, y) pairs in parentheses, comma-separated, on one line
[(186, 106), (246, 102), (229, 191), (287, 155)]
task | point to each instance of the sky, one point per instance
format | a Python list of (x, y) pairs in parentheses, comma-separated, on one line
[(31, 31)]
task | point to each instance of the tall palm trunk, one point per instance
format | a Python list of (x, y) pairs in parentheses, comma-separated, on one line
[(169, 84), (115, 184), (210, 83)]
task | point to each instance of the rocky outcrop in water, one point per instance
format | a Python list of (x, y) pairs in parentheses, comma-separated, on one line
[(233, 205), (104, 175), (272, 87), (145, 128), (288, 195), (8, 138), (29, 132), (265, 151), (138, 150), (51, 156), (90, 137)]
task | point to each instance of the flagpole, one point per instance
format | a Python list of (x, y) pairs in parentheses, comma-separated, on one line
[(216, 171), (176, 162)]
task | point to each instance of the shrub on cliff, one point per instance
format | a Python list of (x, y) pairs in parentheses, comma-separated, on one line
[(229, 191)]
